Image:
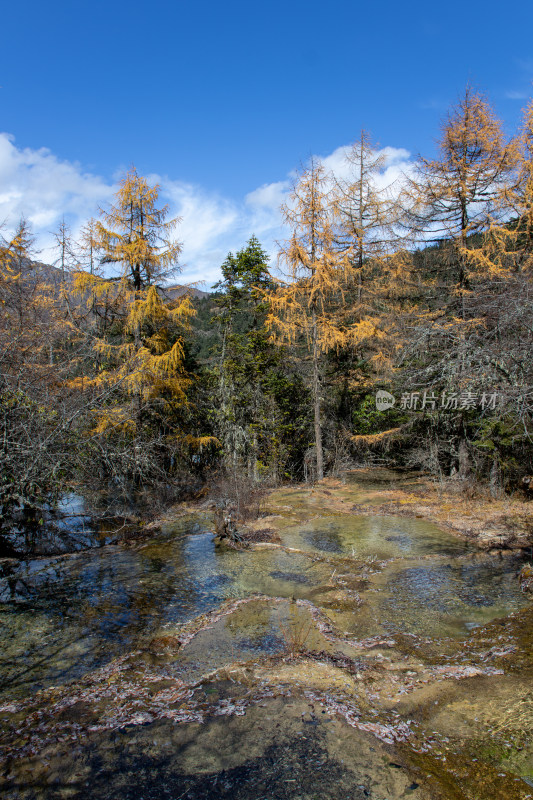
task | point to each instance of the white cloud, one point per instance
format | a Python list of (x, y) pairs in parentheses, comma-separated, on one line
[(264, 216), (269, 196), (514, 95), (43, 188), (38, 185), (207, 223), (336, 162), (397, 163)]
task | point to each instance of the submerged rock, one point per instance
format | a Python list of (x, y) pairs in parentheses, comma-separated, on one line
[(525, 577)]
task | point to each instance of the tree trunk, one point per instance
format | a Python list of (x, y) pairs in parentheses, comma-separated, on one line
[(464, 459), (317, 404), (255, 467), (495, 478)]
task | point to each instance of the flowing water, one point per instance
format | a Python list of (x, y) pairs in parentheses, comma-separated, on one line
[(363, 656)]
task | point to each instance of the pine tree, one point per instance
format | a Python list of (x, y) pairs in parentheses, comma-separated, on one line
[(245, 356)]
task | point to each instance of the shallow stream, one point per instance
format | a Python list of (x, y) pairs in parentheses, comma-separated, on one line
[(363, 656)]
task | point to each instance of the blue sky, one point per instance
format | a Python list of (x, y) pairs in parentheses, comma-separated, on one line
[(222, 101)]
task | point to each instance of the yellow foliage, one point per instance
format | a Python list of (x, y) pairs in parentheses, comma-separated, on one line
[(199, 443), (83, 284), (148, 364), (137, 231), (507, 247), (113, 420), (382, 363), (373, 439)]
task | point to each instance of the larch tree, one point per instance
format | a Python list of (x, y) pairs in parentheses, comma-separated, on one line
[(137, 433), (135, 236), (506, 247), (19, 279), (155, 368), (522, 202), (498, 352), (365, 213), (66, 262), (102, 298), (137, 339), (64, 246), (135, 233), (89, 245), (511, 243), (460, 200), (455, 196), (308, 308)]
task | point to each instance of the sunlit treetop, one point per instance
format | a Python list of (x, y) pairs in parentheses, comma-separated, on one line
[(136, 234)]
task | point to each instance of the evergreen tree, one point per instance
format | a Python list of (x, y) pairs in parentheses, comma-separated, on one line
[(245, 357)]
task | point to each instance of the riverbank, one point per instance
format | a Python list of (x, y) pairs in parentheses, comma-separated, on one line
[(492, 524)]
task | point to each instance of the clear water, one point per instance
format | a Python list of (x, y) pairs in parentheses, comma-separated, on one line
[(382, 537), (62, 616), (448, 598)]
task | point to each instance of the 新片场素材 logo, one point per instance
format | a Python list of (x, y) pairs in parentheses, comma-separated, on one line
[(384, 400)]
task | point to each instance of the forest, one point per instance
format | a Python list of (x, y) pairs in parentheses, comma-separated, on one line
[(394, 329)]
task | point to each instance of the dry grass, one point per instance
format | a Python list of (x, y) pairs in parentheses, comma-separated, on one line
[(506, 522), (295, 634), (385, 438), (252, 534), (516, 719)]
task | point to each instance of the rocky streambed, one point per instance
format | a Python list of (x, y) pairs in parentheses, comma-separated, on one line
[(359, 655)]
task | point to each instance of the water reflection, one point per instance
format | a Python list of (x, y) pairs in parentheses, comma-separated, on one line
[(384, 537), (449, 599), (62, 616)]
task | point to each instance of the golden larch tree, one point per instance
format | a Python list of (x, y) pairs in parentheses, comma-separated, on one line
[(308, 307), (137, 339), (365, 213), (456, 195), (509, 246), (135, 233)]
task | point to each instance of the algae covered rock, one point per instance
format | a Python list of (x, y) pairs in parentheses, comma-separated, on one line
[(525, 577)]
